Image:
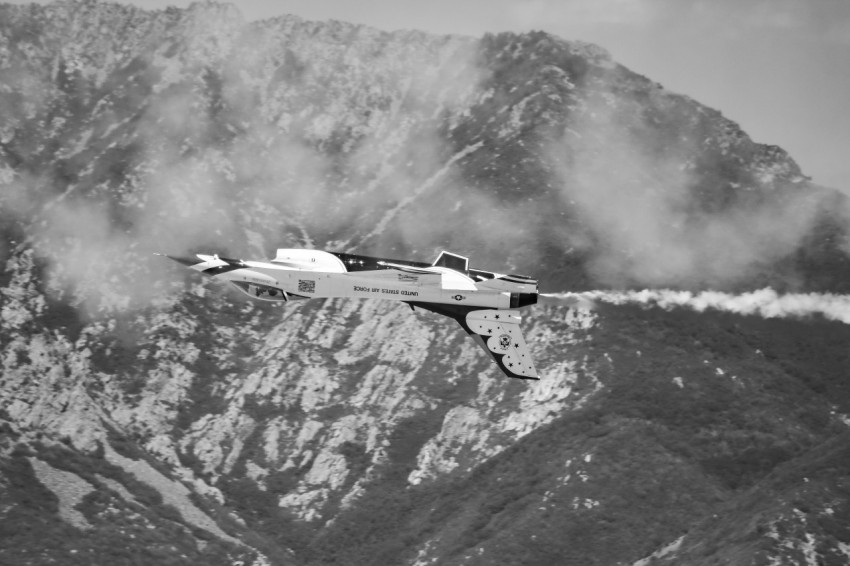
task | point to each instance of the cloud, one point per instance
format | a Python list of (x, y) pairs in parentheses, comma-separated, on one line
[(644, 206), (225, 159)]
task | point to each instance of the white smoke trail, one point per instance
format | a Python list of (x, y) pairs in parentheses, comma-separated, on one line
[(766, 303)]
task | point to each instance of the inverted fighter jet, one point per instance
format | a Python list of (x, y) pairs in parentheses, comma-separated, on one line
[(482, 302)]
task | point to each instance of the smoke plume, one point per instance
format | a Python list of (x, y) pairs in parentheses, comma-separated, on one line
[(765, 303)]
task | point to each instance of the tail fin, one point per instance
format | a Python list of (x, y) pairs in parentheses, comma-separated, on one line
[(452, 261)]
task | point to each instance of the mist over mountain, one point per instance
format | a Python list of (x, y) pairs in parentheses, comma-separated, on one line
[(149, 415)]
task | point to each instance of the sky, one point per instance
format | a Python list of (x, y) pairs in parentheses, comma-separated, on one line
[(779, 68)]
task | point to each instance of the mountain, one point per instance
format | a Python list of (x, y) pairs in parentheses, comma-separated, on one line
[(152, 417)]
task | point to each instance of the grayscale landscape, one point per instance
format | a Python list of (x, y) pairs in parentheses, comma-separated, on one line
[(151, 416)]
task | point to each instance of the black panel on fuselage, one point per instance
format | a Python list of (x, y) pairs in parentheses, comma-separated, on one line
[(355, 262)]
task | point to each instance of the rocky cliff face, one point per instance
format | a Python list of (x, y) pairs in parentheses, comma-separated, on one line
[(145, 406)]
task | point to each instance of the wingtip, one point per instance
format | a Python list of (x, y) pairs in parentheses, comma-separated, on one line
[(518, 376)]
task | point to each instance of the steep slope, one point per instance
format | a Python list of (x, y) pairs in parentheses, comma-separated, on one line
[(347, 432), (699, 435), (63, 506)]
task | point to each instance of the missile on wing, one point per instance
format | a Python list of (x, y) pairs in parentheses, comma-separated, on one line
[(484, 303)]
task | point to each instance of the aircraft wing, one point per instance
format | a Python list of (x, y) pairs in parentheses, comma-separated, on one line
[(496, 331), (499, 333)]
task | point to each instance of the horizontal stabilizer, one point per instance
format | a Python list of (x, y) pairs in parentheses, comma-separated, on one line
[(501, 283)]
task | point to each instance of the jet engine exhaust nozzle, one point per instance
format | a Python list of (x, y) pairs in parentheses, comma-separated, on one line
[(523, 299)]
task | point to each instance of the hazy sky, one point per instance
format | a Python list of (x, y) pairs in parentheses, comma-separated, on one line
[(780, 68)]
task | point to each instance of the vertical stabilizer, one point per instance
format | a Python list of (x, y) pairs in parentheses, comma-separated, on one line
[(452, 261)]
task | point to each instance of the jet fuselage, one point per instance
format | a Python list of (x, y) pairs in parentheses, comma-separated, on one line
[(482, 302), (319, 274)]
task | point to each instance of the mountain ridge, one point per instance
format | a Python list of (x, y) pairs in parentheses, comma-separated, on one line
[(334, 431)]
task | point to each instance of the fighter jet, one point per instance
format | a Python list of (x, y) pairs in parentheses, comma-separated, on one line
[(482, 302)]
